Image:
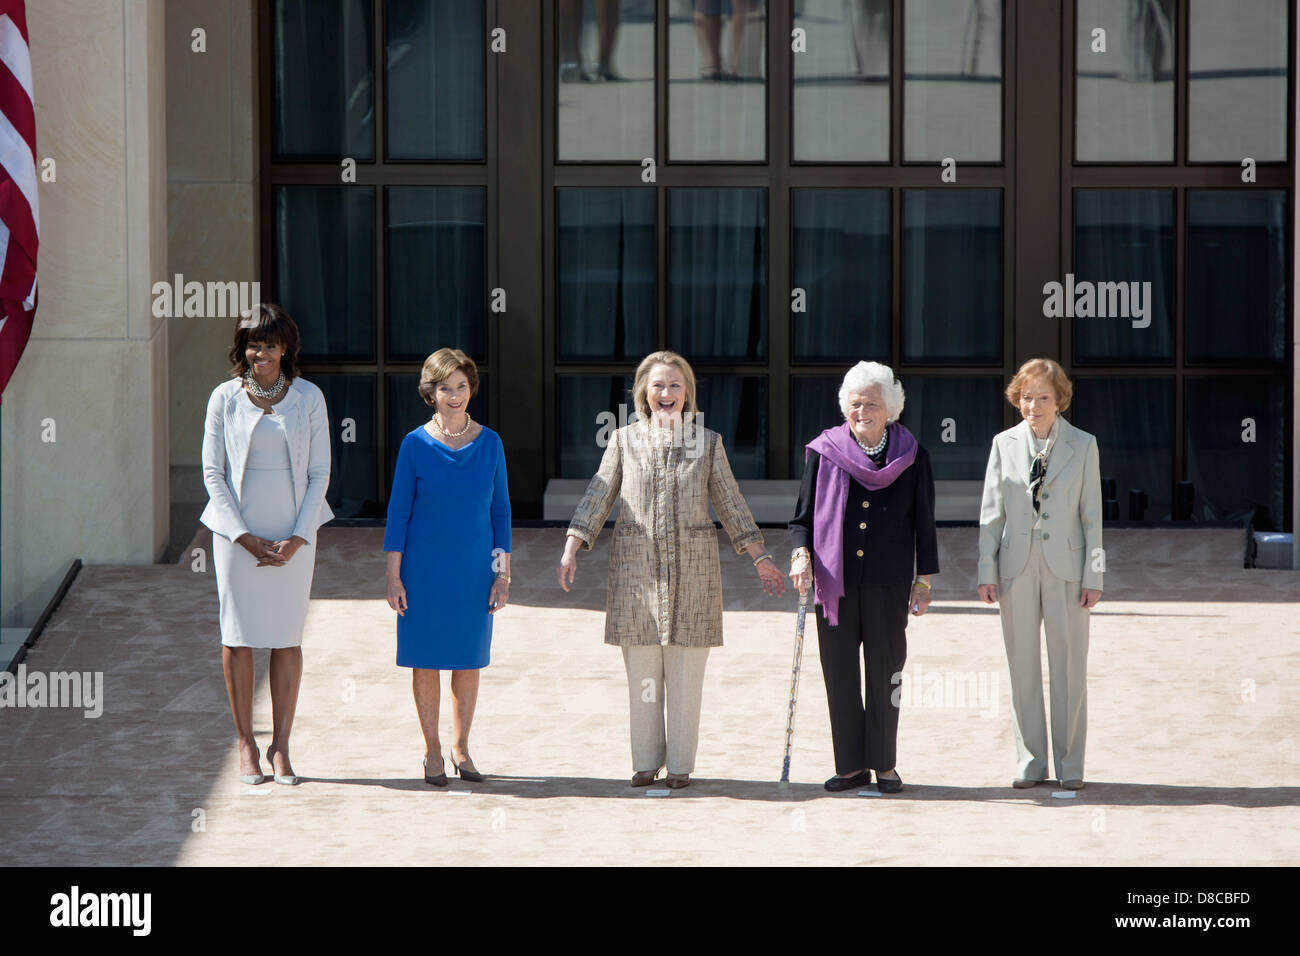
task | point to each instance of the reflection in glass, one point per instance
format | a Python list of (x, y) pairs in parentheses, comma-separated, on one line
[(952, 80), (1236, 275), (324, 268), (1133, 419), (735, 406), (588, 410), (1124, 81), (434, 57), (323, 94), (436, 275), (952, 275), (605, 260), (717, 273), (1234, 478), (407, 411), (955, 419), (352, 491), (1237, 84), (841, 260), (1123, 275), (717, 86), (605, 97), (841, 81), (814, 407)]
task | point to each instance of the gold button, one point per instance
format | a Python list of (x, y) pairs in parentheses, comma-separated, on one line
[(863, 526), (866, 504), (859, 552)]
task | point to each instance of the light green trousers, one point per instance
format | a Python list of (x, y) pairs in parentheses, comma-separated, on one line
[(1035, 602)]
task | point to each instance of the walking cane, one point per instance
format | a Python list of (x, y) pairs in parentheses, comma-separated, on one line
[(794, 687)]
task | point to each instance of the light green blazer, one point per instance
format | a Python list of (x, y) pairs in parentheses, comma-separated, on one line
[(1071, 507)]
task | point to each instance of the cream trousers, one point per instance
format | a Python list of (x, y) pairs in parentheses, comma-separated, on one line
[(656, 672), (1034, 602)]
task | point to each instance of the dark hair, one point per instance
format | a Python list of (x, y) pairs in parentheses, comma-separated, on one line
[(265, 322)]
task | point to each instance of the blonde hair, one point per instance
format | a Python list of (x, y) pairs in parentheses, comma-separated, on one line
[(442, 365), (642, 381), (1042, 368)]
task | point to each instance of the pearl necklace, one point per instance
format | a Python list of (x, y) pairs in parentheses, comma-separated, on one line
[(259, 391), (438, 425), (876, 449)]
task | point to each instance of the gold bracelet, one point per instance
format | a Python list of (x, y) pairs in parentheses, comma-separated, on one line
[(502, 576), (918, 583), (798, 553), (765, 554)]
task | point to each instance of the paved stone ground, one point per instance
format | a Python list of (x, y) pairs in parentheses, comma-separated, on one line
[(1193, 758)]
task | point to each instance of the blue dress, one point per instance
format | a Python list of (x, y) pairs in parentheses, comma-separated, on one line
[(449, 509)]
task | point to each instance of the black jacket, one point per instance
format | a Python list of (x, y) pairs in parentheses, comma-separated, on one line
[(899, 520)]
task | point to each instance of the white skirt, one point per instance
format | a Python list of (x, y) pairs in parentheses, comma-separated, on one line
[(263, 607)]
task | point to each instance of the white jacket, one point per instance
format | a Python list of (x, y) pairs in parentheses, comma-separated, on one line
[(231, 418), (1071, 506)]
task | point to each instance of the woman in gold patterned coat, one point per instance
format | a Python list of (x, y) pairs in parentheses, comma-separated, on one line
[(664, 600)]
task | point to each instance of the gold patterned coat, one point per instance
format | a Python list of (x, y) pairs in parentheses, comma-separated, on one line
[(665, 578)]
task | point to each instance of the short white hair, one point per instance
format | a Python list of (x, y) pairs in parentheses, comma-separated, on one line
[(866, 374)]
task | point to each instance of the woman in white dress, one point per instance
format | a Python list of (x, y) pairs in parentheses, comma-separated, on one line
[(266, 465)]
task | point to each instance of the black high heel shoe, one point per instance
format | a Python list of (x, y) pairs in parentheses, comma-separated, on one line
[(438, 781), (469, 776)]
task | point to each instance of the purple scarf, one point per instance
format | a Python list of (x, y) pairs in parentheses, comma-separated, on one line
[(842, 457)]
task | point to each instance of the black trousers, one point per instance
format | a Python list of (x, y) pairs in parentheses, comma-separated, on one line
[(873, 619)]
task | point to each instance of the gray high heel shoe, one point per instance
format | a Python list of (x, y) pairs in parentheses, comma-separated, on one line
[(253, 779), (283, 779)]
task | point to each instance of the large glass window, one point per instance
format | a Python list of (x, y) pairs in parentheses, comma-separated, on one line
[(605, 266), (717, 81), (1237, 88), (1133, 421), (735, 406), (589, 409), (1235, 432), (952, 80), (605, 95), (434, 57), (1237, 288), (1124, 81), (1122, 297), (952, 275), (323, 79), (324, 267), (841, 261), (841, 81), (717, 274), (354, 487), (436, 274), (955, 418)]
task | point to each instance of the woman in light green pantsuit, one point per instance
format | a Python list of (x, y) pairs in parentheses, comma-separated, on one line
[(1041, 560)]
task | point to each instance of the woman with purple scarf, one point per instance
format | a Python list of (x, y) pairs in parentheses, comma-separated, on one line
[(864, 538)]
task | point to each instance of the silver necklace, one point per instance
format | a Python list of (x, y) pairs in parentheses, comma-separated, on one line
[(438, 425), (259, 391), (873, 450)]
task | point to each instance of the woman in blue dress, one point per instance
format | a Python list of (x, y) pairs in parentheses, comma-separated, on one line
[(448, 544)]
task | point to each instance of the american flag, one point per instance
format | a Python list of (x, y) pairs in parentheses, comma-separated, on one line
[(19, 218)]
